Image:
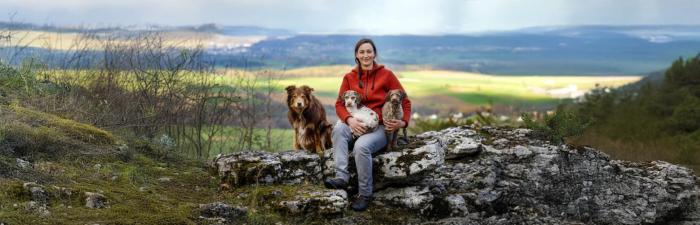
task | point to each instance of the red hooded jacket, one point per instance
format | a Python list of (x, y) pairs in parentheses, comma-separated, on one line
[(376, 83)]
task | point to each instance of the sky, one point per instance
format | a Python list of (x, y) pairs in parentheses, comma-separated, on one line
[(361, 16)]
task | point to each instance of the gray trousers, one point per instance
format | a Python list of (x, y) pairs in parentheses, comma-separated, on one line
[(363, 148)]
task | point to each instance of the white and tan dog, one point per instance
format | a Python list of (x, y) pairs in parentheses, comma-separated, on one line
[(369, 118)]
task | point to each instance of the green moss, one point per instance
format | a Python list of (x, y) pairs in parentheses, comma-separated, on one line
[(69, 128), (34, 135)]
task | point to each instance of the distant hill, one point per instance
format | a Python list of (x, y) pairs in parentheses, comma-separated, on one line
[(55, 28), (591, 50), (239, 30), (210, 28), (571, 50)]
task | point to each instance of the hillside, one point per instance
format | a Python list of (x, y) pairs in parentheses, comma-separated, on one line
[(49, 165), (655, 118)]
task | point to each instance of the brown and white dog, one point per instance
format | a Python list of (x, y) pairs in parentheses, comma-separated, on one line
[(392, 110), (308, 119), (369, 118)]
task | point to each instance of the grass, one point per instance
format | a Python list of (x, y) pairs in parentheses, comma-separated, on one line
[(162, 202), (228, 140)]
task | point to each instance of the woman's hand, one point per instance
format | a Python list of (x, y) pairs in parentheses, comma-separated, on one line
[(391, 125), (357, 126)]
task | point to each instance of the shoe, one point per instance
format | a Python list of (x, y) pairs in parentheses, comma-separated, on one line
[(361, 203), (335, 183)]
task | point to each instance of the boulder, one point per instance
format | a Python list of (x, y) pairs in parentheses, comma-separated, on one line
[(489, 175), (291, 167), (566, 182), (323, 202)]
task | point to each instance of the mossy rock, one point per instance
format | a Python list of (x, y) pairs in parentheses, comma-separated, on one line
[(71, 129), (32, 134)]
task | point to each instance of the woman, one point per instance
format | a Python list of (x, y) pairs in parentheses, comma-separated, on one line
[(372, 81)]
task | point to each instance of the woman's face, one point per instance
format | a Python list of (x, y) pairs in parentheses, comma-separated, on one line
[(365, 54)]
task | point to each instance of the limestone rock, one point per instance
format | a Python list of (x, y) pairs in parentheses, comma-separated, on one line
[(401, 167), (460, 142), (39, 199), (37, 192), (222, 212), (492, 175), (415, 198), (95, 200), (323, 202), (38, 208), (292, 167), (22, 164), (409, 165)]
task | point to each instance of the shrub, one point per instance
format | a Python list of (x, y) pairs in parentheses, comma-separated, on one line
[(686, 116), (563, 123)]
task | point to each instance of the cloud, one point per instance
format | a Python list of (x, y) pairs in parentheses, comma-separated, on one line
[(367, 16)]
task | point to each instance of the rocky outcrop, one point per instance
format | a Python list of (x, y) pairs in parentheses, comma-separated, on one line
[(322, 202), (243, 168), (464, 175)]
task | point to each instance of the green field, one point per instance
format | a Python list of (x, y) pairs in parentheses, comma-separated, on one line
[(452, 87), (428, 86)]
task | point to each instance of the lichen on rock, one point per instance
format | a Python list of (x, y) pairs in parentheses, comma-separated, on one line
[(465, 175)]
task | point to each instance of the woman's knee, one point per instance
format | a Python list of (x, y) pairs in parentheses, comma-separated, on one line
[(362, 149), (341, 130)]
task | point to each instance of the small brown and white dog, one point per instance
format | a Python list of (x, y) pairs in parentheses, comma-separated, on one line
[(392, 110), (312, 132), (369, 118)]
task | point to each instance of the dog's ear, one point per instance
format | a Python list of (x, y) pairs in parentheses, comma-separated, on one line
[(307, 89), (388, 96), (403, 94), (290, 88)]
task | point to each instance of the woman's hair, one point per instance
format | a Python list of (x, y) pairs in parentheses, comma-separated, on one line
[(357, 61)]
